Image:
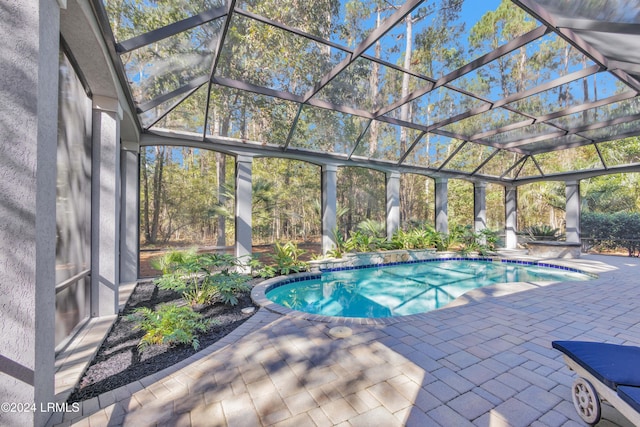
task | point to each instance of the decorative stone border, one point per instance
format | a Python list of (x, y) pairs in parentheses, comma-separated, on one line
[(554, 249), (360, 259)]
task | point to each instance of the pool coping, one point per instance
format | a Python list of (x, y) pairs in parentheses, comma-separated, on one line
[(258, 293)]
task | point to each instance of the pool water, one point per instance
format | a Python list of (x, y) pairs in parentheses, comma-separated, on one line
[(404, 289)]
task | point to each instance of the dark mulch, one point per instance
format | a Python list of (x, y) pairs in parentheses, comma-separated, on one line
[(118, 361)]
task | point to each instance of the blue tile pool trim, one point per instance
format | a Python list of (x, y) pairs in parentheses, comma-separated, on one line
[(258, 293), (309, 276), (313, 276)]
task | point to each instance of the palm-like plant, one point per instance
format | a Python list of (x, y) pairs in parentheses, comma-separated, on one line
[(542, 232)]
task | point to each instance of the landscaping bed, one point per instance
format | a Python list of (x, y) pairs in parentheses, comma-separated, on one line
[(120, 362)]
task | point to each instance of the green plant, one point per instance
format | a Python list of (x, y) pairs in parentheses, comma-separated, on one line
[(190, 280), (286, 258), (449, 241), (422, 237), (171, 281), (259, 269), (490, 240), (203, 278), (370, 236), (441, 241), (169, 324), (460, 235), (484, 242), (372, 228), (339, 249), (542, 232), (182, 271), (361, 242), (399, 240), (226, 287), (267, 272), (255, 265), (335, 253), (465, 239), (610, 231), (172, 259), (200, 295), (218, 262)]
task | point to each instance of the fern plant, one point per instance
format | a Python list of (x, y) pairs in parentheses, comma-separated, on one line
[(169, 324)]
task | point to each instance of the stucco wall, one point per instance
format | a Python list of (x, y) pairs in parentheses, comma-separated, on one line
[(29, 35)]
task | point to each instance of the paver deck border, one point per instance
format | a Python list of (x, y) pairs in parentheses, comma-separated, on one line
[(530, 368)]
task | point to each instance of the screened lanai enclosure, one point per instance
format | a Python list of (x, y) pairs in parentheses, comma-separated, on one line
[(496, 92), (448, 110)]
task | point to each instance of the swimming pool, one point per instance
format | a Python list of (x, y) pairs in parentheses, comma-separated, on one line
[(405, 289)]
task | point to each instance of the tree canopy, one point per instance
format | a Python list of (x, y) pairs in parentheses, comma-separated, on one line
[(245, 78)]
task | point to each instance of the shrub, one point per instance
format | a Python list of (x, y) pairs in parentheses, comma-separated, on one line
[(464, 240), (489, 240), (372, 228), (542, 232), (258, 269), (287, 258), (228, 286), (169, 324), (400, 240), (420, 237), (415, 238), (361, 242), (172, 260), (339, 249), (202, 293), (218, 262), (610, 231), (442, 241), (204, 278), (457, 238)]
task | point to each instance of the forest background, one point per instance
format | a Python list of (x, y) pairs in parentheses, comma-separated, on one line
[(187, 194), (187, 199)]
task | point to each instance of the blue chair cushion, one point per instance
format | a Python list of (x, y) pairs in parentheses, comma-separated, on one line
[(631, 395), (611, 364)]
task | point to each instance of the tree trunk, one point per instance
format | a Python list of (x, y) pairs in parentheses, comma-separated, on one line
[(145, 189), (405, 109), (221, 173), (564, 94), (157, 193), (374, 81)]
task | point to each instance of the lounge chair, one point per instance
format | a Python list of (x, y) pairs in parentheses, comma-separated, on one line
[(607, 372)]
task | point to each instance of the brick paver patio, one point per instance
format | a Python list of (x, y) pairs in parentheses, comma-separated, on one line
[(484, 362)]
